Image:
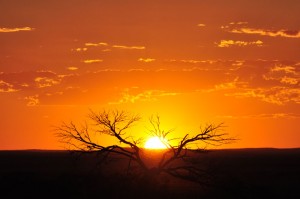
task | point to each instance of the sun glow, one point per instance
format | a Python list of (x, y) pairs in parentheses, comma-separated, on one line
[(156, 143)]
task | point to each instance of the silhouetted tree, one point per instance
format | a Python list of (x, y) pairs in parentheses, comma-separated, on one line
[(175, 160)]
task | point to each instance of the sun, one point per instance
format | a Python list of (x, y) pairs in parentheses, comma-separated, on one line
[(155, 143)]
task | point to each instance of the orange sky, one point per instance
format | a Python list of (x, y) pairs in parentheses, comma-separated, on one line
[(192, 62)]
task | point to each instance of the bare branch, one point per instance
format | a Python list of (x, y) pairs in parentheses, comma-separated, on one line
[(211, 134), (117, 123)]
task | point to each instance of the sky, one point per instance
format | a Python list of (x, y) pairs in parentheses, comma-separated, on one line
[(192, 62)]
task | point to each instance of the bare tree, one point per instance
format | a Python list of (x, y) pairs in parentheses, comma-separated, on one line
[(175, 159)]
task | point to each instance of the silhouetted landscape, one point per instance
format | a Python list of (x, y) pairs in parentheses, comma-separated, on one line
[(235, 173), (143, 97)]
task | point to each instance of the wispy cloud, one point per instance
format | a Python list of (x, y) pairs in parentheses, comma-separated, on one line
[(229, 43), (279, 95), (231, 85), (32, 100), (7, 30), (79, 49), (92, 61), (25, 81), (239, 23), (191, 61), (262, 116), (147, 60), (241, 28), (271, 33), (284, 74), (6, 87), (132, 95), (201, 25), (136, 69), (106, 47), (129, 47), (289, 80), (96, 44), (72, 68), (284, 68), (270, 81), (43, 82)]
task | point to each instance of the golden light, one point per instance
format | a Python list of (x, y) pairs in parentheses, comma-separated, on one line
[(155, 143)]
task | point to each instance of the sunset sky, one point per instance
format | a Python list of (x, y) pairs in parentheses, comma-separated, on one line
[(192, 62)]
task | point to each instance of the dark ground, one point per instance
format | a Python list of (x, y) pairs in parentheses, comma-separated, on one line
[(239, 173)]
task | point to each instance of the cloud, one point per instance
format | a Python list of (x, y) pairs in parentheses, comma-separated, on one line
[(231, 85), (192, 61), (271, 33), (241, 28), (89, 44), (6, 87), (278, 116), (129, 47), (80, 49), (225, 86), (96, 44), (72, 68), (92, 61), (106, 47), (43, 82), (7, 30), (279, 95), (28, 80), (263, 116), (271, 81), (131, 95), (32, 100), (238, 23), (201, 25), (238, 63), (136, 69), (284, 74), (229, 43), (289, 80), (147, 60), (286, 69)]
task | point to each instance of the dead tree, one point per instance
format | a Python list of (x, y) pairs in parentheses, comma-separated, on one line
[(175, 160)]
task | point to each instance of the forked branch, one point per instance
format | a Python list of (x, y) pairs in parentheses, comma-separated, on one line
[(174, 160)]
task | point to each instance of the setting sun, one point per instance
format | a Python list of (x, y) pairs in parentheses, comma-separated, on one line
[(155, 143)]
